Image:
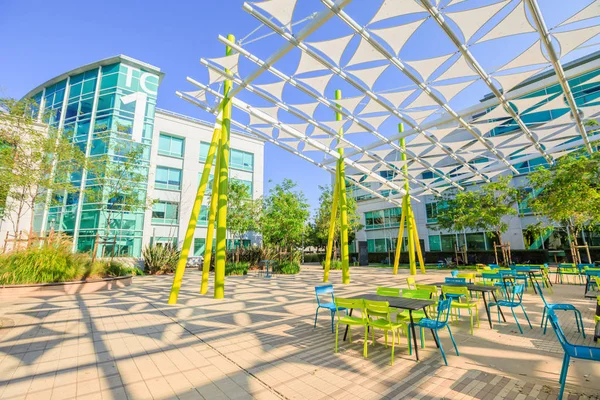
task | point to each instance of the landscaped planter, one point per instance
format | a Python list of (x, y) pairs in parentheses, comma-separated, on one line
[(64, 288)]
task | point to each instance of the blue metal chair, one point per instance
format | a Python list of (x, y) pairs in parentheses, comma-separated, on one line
[(454, 273), (522, 275), (455, 280), (494, 266), (575, 351), (514, 302), (324, 290), (441, 322), (560, 307)]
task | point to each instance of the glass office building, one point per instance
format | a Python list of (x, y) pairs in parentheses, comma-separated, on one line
[(108, 106)]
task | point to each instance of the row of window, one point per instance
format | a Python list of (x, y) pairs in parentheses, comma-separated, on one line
[(388, 218), (171, 178), (447, 242), (174, 146)]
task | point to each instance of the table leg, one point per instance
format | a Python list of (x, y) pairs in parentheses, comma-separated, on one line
[(501, 313), (348, 326), (412, 326), (531, 280), (587, 284), (487, 310), (432, 332)]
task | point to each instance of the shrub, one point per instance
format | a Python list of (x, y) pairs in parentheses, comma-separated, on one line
[(335, 264), (233, 268), (55, 262), (160, 259), (313, 257), (286, 268)]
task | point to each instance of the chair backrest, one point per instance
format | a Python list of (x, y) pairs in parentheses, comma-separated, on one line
[(377, 308), (597, 279), (356, 304), (454, 273), (388, 291), (325, 289), (522, 268), (432, 289), (443, 311), (490, 276), (517, 293), (416, 294), (467, 275), (456, 290), (592, 271), (410, 282), (505, 272), (567, 347), (455, 280), (494, 266)]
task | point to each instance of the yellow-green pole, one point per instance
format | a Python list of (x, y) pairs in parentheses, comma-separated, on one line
[(189, 234), (343, 202), (409, 223), (223, 176), (210, 229), (417, 243), (400, 235), (332, 218)]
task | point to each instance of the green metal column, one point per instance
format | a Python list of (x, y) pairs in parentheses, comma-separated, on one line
[(341, 177), (189, 234), (210, 229), (223, 176), (332, 219)]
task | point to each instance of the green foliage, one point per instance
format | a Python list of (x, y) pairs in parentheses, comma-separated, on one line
[(285, 213), (319, 230), (569, 192), (251, 255), (243, 212), (286, 268), (35, 159), (160, 259), (236, 268), (55, 262), (334, 265), (482, 209)]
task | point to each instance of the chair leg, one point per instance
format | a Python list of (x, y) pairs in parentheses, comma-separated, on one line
[(386, 335), (563, 376), (316, 315), (453, 342), (578, 315), (422, 338), (543, 316), (441, 348), (337, 326), (546, 324), (526, 316), (332, 320), (516, 320), (477, 317), (365, 344), (393, 344), (471, 319)]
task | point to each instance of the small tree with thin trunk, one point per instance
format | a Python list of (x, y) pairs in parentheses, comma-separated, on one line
[(243, 212), (37, 162)]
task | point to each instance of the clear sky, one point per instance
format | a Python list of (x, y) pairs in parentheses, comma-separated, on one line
[(41, 39)]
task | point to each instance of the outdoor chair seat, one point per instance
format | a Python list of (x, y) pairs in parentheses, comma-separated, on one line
[(326, 290), (348, 320), (384, 323), (431, 324), (559, 307)]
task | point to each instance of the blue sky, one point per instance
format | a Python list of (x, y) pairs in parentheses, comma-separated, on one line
[(41, 39)]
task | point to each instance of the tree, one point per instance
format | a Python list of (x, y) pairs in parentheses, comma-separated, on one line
[(569, 192), (243, 212), (285, 212), (323, 217), (37, 162), (117, 181), (482, 209)]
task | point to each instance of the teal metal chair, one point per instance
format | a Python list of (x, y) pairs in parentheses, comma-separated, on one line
[(560, 307), (514, 302), (326, 290)]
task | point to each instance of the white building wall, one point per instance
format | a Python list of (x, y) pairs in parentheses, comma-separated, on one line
[(193, 132)]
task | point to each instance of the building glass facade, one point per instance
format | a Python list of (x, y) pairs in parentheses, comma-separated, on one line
[(105, 109)]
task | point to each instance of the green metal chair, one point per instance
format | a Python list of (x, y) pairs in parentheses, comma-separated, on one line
[(388, 291), (350, 304), (463, 301), (404, 316), (374, 311)]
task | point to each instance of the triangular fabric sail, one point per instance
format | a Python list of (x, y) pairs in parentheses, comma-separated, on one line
[(449, 91), (441, 133), (470, 21), (428, 66), (270, 111), (419, 116), (570, 40), (375, 121), (365, 52), (422, 100), (373, 106), (499, 139), (306, 108), (349, 103), (267, 130), (382, 153), (485, 127), (398, 164), (591, 11), (334, 125), (275, 89), (281, 10), (532, 56), (459, 69), (198, 95), (310, 147), (300, 128), (497, 112), (397, 36), (327, 141), (354, 128), (343, 145), (369, 75), (394, 8), (333, 48), (457, 135), (509, 81), (307, 63), (513, 24), (396, 98), (317, 83), (554, 104), (227, 62), (214, 76), (525, 104), (293, 145)]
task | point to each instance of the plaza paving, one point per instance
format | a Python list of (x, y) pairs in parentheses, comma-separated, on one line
[(259, 342)]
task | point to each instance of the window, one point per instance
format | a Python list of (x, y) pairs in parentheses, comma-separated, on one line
[(448, 242), (241, 160), (434, 243), (170, 146), (199, 246), (380, 245), (203, 216), (164, 212), (476, 241), (431, 209), (387, 218), (168, 178), (247, 183), (204, 146)]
